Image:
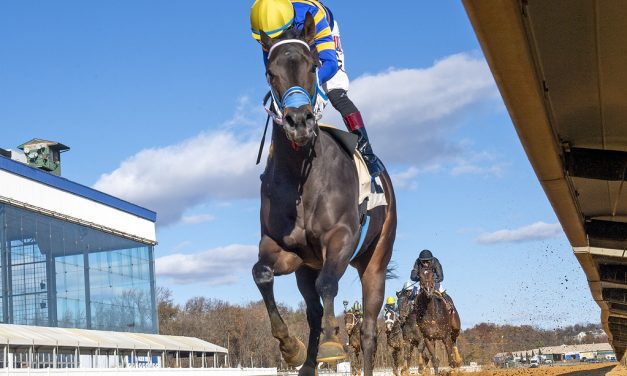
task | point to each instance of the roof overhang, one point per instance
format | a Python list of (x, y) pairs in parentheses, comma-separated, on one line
[(41, 336), (561, 68), (35, 190)]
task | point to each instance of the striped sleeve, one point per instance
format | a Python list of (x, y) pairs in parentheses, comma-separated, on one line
[(323, 41)]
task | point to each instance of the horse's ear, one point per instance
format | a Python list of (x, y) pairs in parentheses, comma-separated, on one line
[(309, 29), (266, 41)]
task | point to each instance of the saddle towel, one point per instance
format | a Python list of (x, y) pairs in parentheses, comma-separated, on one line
[(366, 184)]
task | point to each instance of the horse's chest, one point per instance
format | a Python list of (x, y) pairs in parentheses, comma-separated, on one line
[(290, 227)]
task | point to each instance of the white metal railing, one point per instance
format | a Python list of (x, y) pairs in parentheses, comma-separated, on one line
[(143, 371)]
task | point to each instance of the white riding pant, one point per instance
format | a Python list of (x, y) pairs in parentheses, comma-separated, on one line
[(339, 79)]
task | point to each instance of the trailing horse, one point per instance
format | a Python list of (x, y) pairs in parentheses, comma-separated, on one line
[(394, 336), (412, 337), (310, 221), (436, 321), (353, 329)]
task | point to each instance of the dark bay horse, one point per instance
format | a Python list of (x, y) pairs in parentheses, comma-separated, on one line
[(412, 336), (353, 329), (436, 321), (310, 222), (395, 341)]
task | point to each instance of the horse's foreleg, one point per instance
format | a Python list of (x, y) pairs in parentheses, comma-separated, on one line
[(337, 252), (434, 359), (450, 352), (306, 280), (423, 356), (410, 353), (273, 260), (358, 361)]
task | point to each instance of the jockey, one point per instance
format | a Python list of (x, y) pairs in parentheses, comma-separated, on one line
[(389, 313), (357, 311), (390, 305), (427, 260), (275, 16), (410, 289)]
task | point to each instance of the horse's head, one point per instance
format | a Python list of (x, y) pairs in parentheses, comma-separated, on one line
[(404, 303), (427, 281), (350, 321), (292, 75)]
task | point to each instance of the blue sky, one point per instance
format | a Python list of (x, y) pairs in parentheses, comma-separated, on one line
[(160, 103)]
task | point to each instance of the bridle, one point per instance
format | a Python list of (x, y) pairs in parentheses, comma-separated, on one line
[(352, 324), (294, 96)]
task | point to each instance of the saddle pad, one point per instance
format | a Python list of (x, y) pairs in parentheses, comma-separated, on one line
[(366, 185)]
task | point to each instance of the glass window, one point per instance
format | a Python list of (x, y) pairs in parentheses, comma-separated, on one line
[(68, 275)]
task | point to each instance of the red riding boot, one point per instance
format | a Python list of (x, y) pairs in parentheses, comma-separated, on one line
[(355, 125)]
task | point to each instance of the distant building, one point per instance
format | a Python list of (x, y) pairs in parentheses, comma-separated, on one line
[(566, 352), (77, 274), (71, 256)]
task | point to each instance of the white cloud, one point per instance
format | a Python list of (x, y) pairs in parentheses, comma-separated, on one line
[(218, 266), (482, 163), (535, 231), (196, 219), (174, 178), (468, 168), (409, 113), (405, 179)]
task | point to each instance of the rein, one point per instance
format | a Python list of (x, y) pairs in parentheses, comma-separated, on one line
[(353, 323)]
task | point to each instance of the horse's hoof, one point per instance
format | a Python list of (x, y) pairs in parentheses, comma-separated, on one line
[(296, 354), (330, 352)]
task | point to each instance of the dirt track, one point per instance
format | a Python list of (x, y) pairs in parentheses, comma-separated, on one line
[(610, 369)]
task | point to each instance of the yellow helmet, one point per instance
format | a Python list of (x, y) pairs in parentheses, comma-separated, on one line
[(390, 300), (271, 16)]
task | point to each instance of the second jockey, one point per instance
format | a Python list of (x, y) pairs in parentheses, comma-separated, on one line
[(427, 260), (273, 17)]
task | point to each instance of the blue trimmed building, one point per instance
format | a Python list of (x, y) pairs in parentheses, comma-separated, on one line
[(71, 256)]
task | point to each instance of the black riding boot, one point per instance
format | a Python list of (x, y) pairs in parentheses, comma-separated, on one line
[(355, 125)]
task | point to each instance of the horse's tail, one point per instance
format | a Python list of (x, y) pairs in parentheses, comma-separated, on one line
[(390, 272)]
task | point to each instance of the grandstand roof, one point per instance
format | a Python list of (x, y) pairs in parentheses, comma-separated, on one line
[(22, 335)]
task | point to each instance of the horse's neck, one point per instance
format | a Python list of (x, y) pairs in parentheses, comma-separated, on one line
[(422, 302), (354, 331), (290, 157)]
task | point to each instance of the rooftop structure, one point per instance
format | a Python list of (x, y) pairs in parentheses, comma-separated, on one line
[(561, 69)]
